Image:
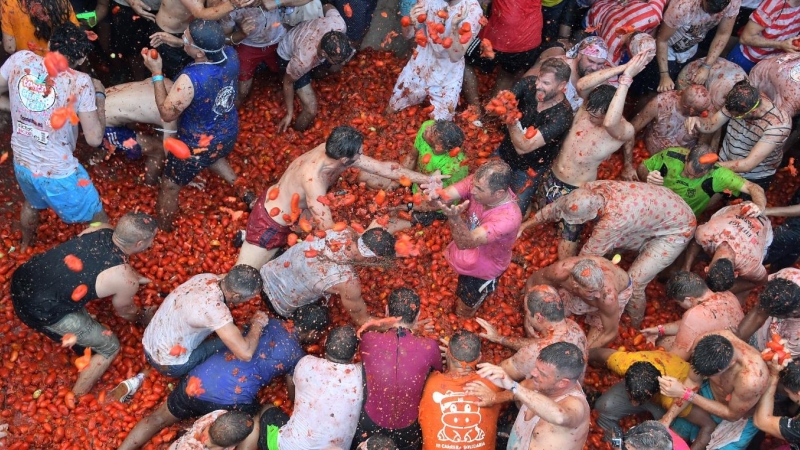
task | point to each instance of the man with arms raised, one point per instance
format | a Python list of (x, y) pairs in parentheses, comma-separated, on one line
[(731, 377), (309, 177)]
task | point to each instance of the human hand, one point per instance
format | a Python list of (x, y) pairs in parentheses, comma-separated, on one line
[(789, 46), (153, 65), (144, 280), (3, 430), (260, 318), (248, 25), (491, 332), (692, 124), (636, 64), (283, 125), (666, 83), (649, 332), (416, 10), (654, 177), (671, 387), (425, 326), (496, 375), (750, 209), (142, 9), (486, 396), (162, 37), (524, 227), (629, 173), (454, 210), (700, 76)]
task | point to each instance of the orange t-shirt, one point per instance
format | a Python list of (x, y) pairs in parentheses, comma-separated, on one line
[(17, 23), (452, 420)]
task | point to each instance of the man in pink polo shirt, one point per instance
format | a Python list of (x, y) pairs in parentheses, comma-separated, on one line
[(481, 247)]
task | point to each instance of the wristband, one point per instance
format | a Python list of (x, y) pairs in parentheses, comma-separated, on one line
[(100, 94), (410, 206), (661, 331), (688, 395), (278, 3), (703, 64), (663, 71), (625, 80), (157, 78), (514, 387)]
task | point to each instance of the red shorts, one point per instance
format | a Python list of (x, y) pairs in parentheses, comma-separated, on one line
[(262, 230), (251, 57)]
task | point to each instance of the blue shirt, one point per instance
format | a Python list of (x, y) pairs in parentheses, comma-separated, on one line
[(227, 380), (212, 111)]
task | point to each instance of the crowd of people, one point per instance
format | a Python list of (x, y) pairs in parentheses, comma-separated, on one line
[(711, 87)]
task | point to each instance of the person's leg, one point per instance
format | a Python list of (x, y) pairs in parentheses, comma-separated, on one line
[(244, 89), (255, 256), (167, 204), (29, 222), (308, 100), (655, 256), (470, 86), (470, 294), (89, 376), (153, 150), (706, 426), (523, 185), (613, 405), (223, 169), (148, 427)]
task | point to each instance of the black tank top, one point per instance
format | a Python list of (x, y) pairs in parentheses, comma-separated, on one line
[(41, 289)]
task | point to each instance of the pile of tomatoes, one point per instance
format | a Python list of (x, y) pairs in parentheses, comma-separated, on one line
[(36, 374)]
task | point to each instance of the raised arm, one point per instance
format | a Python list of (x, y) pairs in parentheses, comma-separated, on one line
[(350, 294), (616, 125), (763, 417), (243, 347), (721, 37), (754, 320), (586, 84), (391, 170)]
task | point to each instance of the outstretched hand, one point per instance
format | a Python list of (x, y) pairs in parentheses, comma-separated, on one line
[(454, 210)]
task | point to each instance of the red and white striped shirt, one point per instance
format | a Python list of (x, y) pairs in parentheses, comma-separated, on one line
[(780, 21), (608, 15)]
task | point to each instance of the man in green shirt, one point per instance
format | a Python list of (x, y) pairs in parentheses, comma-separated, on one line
[(681, 171), (436, 141)]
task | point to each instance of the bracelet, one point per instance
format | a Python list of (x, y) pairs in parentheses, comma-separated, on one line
[(625, 80), (663, 71), (236, 43), (157, 78), (688, 395), (514, 387), (661, 331), (100, 94), (703, 64)]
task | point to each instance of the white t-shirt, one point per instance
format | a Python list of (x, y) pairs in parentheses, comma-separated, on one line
[(300, 45), (269, 25), (186, 317), (691, 25), (328, 398), (37, 146)]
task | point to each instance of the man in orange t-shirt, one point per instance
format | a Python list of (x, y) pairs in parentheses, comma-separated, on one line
[(448, 416)]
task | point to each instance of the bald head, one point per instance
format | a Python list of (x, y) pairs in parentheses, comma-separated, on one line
[(695, 99)]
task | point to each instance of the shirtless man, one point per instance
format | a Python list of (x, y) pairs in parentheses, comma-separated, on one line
[(721, 78), (597, 131), (777, 311), (307, 179), (545, 324), (554, 412), (592, 286), (779, 78), (652, 220), (135, 103), (735, 378), (706, 311)]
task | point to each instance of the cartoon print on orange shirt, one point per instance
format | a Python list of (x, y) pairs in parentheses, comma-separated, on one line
[(459, 420)]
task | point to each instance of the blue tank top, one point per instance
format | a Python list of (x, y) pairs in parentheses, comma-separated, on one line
[(212, 111)]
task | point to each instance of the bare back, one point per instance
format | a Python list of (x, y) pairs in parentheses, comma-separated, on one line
[(135, 103), (173, 16)]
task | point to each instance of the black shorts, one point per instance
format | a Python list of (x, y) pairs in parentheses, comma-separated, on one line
[(173, 59), (408, 438), (426, 218), (183, 171), (510, 62), (299, 83), (551, 190), (129, 36), (184, 407), (473, 291), (271, 417)]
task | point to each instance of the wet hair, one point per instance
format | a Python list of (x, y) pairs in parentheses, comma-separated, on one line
[(449, 134), (46, 16), (465, 346), (716, 6), (134, 227), (741, 98), (208, 36), (496, 173), (685, 284), (790, 377), (558, 67), (244, 280), (380, 442), (649, 435), (70, 41), (600, 98), (380, 241), (712, 354), (780, 297), (311, 317), (588, 274), (336, 45), (693, 159), (641, 381), (230, 428), (343, 142), (694, 95), (567, 358), (404, 303), (721, 275), (342, 343), (545, 300)]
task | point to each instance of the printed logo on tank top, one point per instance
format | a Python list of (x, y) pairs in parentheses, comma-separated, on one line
[(795, 73), (32, 94), (460, 418), (224, 101)]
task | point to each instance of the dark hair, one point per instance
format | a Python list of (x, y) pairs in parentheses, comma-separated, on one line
[(311, 317), (558, 67), (465, 346), (336, 45), (649, 435), (693, 158), (685, 284), (449, 134), (343, 142), (545, 300), (134, 227), (712, 354), (230, 428), (404, 303), (641, 381), (600, 98), (46, 16), (720, 276), (497, 174), (380, 241), (208, 36), (567, 358), (716, 6), (70, 41), (342, 343), (790, 377), (244, 280), (741, 98), (380, 441), (780, 297)]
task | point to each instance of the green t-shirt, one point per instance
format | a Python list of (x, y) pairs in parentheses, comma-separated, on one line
[(696, 192), (445, 163)]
